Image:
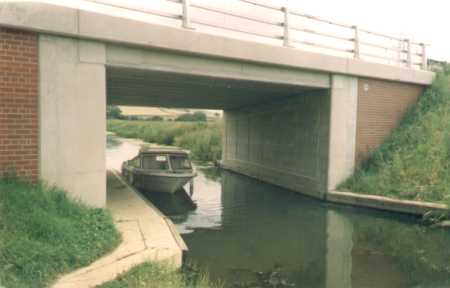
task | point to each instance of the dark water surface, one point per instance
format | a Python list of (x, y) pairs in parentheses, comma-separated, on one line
[(246, 233)]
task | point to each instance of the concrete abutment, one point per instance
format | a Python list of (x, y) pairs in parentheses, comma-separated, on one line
[(72, 117)]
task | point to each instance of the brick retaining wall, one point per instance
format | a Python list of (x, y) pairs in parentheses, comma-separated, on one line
[(381, 105), (19, 103)]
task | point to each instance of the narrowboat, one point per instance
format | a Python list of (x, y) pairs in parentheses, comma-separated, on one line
[(164, 170)]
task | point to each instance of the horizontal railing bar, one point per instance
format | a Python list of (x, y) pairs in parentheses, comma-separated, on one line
[(322, 46), (382, 35), (296, 13), (275, 37), (384, 57), (296, 28), (383, 47), (390, 37), (140, 10), (319, 19), (229, 13), (268, 6)]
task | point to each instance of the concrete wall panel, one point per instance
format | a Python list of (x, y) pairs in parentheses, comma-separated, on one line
[(72, 114), (284, 142)]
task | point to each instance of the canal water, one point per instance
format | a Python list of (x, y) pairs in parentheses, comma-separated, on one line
[(246, 233)]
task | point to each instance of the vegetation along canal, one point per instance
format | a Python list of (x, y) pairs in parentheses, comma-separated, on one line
[(249, 234)]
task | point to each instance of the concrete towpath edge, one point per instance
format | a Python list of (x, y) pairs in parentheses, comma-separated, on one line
[(417, 208)]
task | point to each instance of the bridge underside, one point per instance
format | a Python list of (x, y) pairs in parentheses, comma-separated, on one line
[(277, 120), (138, 87)]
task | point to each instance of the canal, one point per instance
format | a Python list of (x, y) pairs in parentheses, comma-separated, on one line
[(246, 233)]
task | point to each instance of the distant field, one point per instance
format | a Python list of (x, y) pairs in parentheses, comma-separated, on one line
[(204, 140), (163, 112)]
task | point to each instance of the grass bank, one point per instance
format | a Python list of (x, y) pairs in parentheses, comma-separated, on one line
[(44, 234), (151, 275), (414, 162), (204, 140)]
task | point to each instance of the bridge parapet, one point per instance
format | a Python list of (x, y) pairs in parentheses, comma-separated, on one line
[(289, 28)]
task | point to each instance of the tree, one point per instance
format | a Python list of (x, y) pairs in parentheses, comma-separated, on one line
[(198, 116), (156, 118), (113, 112)]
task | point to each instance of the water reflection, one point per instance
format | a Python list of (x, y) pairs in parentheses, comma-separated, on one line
[(250, 234)]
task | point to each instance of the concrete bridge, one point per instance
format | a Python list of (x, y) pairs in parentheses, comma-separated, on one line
[(298, 119)]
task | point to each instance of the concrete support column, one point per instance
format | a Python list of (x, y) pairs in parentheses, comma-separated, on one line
[(343, 117), (72, 117)]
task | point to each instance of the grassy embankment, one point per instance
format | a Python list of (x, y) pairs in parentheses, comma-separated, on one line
[(44, 234), (157, 276), (414, 162), (204, 140)]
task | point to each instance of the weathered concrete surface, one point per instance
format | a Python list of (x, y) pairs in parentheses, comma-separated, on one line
[(385, 203), (72, 22), (147, 236), (144, 77), (344, 107), (72, 117), (284, 143)]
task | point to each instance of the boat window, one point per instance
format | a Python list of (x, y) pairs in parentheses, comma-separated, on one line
[(180, 162), (155, 162)]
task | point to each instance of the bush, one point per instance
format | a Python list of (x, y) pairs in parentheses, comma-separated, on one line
[(204, 140), (192, 117), (156, 118), (44, 234), (113, 112)]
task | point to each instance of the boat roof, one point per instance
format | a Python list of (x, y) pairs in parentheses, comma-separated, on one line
[(162, 150)]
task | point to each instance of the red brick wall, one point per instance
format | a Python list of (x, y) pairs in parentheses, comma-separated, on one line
[(381, 105), (19, 103)]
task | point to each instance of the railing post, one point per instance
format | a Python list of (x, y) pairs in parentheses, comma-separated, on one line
[(409, 51), (357, 51), (186, 16), (424, 57), (287, 28)]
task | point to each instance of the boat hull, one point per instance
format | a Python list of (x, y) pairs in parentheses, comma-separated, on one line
[(164, 183)]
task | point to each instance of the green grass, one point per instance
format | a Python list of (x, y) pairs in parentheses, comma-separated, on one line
[(204, 140), (150, 275), (43, 234), (413, 163)]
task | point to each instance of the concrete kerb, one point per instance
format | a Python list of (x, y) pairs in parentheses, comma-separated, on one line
[(417, 208), (180, 242)]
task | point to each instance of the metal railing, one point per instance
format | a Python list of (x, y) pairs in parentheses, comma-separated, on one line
[(298, 30)]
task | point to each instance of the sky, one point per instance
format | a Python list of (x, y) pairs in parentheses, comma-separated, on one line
[(422, 21)]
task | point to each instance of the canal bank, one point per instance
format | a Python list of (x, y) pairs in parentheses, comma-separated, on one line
[(147, 235)]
